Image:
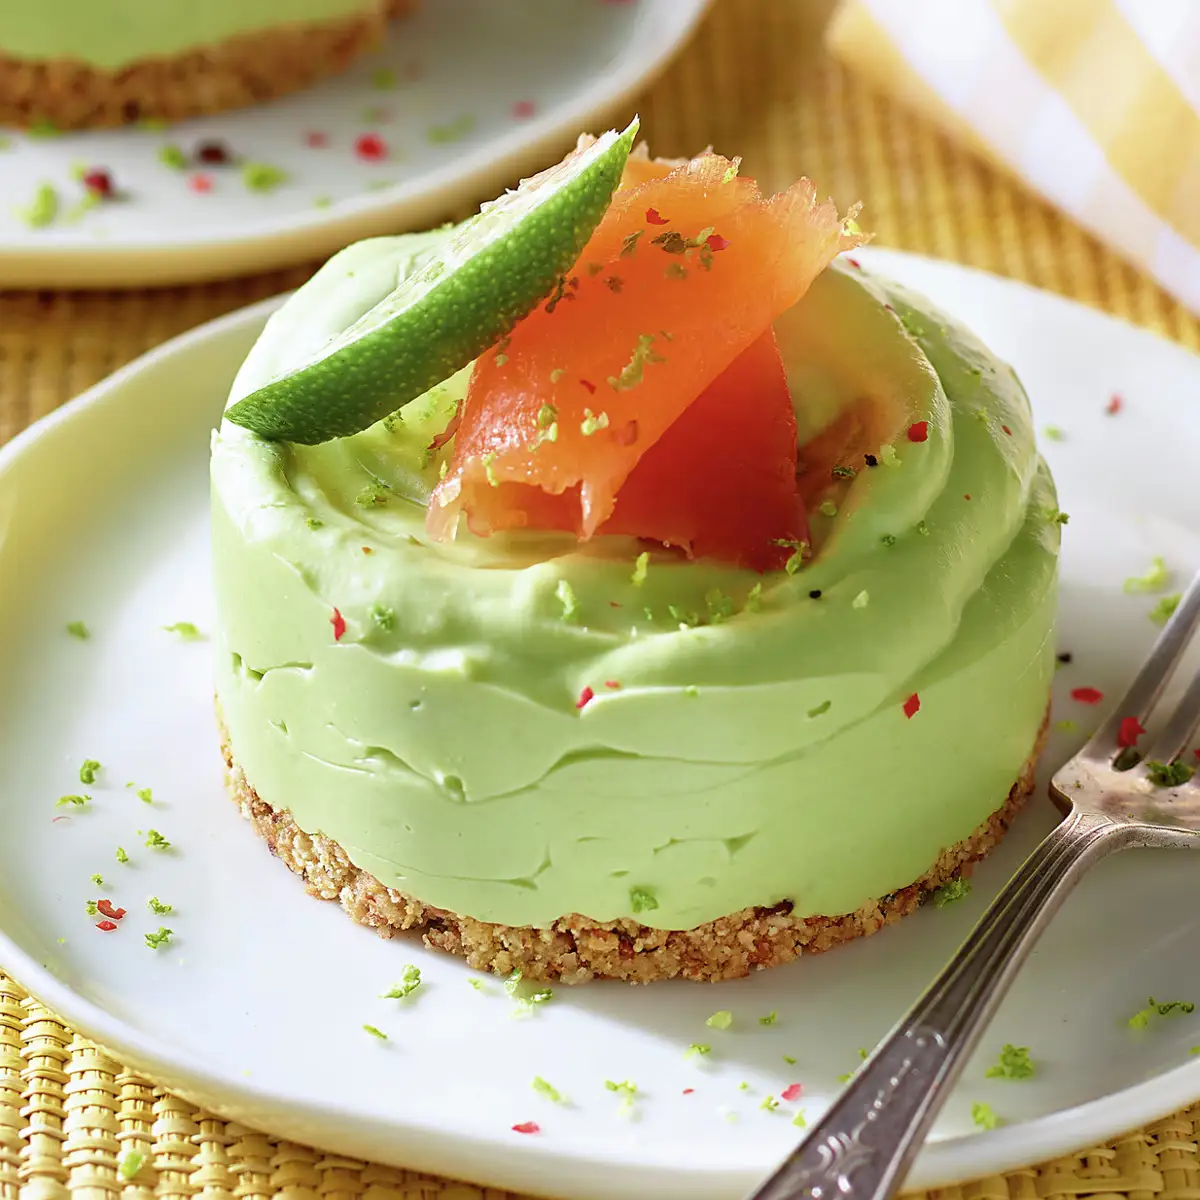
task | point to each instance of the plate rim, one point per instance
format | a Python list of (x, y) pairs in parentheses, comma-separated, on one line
[(515, 1164), (313, 234)]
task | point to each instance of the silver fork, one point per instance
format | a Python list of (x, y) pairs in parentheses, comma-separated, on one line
[(862, 1147)]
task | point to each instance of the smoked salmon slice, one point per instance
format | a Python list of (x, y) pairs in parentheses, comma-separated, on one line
[(668, 309)]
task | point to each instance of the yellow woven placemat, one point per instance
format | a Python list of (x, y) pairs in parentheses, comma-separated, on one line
[(756, 82)]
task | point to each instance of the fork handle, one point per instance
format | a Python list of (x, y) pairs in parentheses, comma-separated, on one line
[(864, 1144)]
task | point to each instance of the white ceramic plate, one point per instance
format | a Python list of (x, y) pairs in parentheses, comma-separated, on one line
[(257, 1007), (483, 92)]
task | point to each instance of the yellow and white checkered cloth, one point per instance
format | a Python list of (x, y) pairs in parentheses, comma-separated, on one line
[(1095, 104)]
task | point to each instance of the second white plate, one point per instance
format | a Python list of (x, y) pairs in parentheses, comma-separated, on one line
[(465, 97), (257, 1006)]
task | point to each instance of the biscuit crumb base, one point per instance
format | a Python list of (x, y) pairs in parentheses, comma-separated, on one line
[(240, 71), (575, 949)]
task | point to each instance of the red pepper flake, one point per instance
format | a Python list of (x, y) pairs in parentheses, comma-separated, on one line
[(527, 1127), (370, 147), (716, 242), (105, 908), (652, 217), (316, 139), (106, 926), (585, 698), (912, 706), (339, 625), (1131, 730), (612, 683), (966, 495), (1087, 695), (200, 183), (791, 1092), (523, 110), (450, 430), (1006, 430), (55, 820), (591, 387), (99, 182), (626, 434), (854, 263), (614, 604), (1196, 753), (1114, 405), (215, 153), (918, 431), (688, 1091), (367, 550)]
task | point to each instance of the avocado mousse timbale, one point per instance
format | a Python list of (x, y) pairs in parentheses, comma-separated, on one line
[(626, 583)]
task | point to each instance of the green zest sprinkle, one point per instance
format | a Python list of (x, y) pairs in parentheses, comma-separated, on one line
[(43, 209), (545, 1088), (410, 980), (1141, 1018), (1154, 580), (129, 1163), (642, 900), (769, 1019), (476, 984), (957, 889), (844, 472), (1013, 1063), (77, 629), (451, 131), (383, 79), (625, 1087), (769, 1103), (1194, 1050), (888, 455), (861, 600), (156, 841), (720, 606), (489, 470), (92, 908), (983, 1116), (1053, 433), (145, 795), (376, 1033), (686, 619), (547, 415), (720, 1020), (800, 1120), (592, 422), (122, 857), (696, 1049), (87, 773), (71, 801), (98, 880), (171, 155), (158, 908), (1066, 725), (1172, 774), (922, 528), (828, 508), (1055, 516), (796, 558), (186, 630), (633, 371), (156, 941), (731, 171), (1164, 610), (743, 1086), (754, 598), (43, 127), (262, 177), (373, 493), (314, 522), (567, 598), (641, 565), (383, 616)]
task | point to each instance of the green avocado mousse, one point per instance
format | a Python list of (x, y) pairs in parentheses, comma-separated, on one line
[(680, 605)]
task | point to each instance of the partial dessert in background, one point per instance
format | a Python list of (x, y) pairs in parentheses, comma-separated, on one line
[(622, 585), (79, 64)]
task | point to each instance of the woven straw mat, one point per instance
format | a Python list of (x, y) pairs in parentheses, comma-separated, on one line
[(754, 81)]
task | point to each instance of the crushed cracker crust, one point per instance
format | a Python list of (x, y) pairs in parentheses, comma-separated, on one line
[(240, 71), (575, 949)]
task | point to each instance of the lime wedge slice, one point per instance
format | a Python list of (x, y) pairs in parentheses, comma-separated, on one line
[(490, 272)]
